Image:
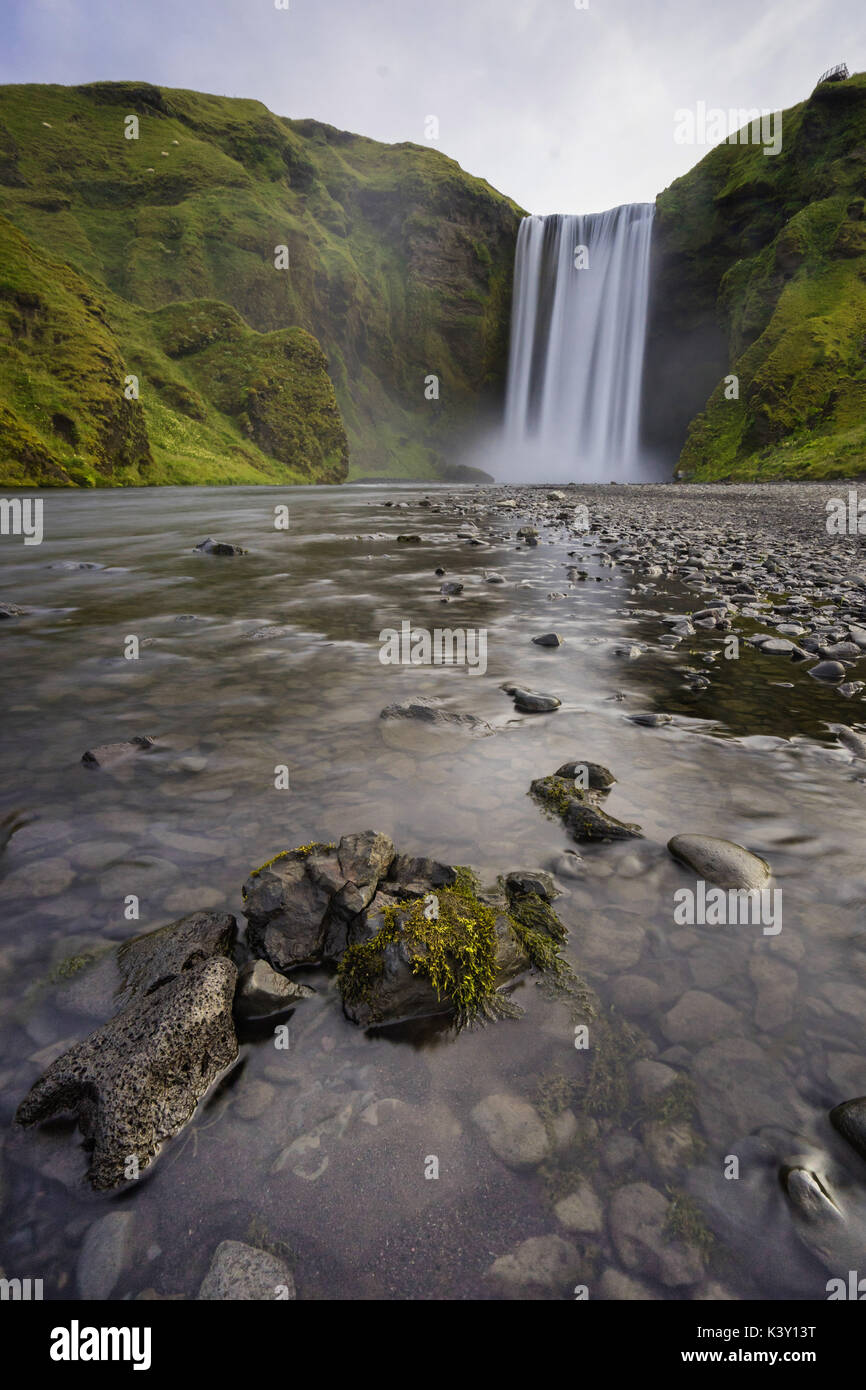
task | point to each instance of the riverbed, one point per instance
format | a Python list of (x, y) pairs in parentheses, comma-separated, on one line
[(259, 677)]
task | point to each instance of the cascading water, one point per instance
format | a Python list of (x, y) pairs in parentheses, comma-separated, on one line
[(577, 346)]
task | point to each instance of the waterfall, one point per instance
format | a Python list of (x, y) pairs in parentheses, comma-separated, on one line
[(578, 327)]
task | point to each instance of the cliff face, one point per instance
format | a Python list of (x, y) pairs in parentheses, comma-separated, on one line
[(158, 258), (759, 270)]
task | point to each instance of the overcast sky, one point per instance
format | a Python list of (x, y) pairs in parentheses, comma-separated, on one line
[(565, 109)]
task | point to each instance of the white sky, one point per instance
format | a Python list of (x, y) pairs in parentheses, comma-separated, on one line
[(566, 110)]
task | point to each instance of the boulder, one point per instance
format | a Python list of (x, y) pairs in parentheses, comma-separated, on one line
[(721, 862), (303, 905), (138, 1079)]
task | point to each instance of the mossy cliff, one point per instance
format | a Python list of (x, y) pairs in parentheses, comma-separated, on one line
[(156, 257), (760, 271)]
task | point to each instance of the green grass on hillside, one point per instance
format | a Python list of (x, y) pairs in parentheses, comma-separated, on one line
[(399, 266), (774, 248)]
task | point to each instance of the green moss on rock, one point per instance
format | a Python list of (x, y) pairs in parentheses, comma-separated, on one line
[(455, 949)]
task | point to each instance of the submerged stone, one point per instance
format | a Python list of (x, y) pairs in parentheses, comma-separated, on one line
[(514, 1130), (240, 1272)]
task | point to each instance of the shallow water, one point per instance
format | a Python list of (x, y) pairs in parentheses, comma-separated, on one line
[(182, 826)]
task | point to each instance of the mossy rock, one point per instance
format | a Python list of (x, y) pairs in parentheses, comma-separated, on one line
[(449, 952), (579, 809)]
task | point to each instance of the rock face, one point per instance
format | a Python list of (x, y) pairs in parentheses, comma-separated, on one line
[(138, 1078), (720, 862), (575, 797), (243, 1272)]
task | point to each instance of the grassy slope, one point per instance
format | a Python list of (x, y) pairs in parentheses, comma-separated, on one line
[(400, 265), (774, 249)]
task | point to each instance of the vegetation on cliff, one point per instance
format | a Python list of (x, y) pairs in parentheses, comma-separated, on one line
[(156, 257), (760, 273)]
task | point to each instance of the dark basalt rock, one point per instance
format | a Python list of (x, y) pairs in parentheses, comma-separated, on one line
[(301, 906), (598, 779), (262, 991), (532, 701), (141, 965), (138, 1079), (522, 883), (211, 547), (579, 809), (428, 711), (849, 1119), (110, 754)]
